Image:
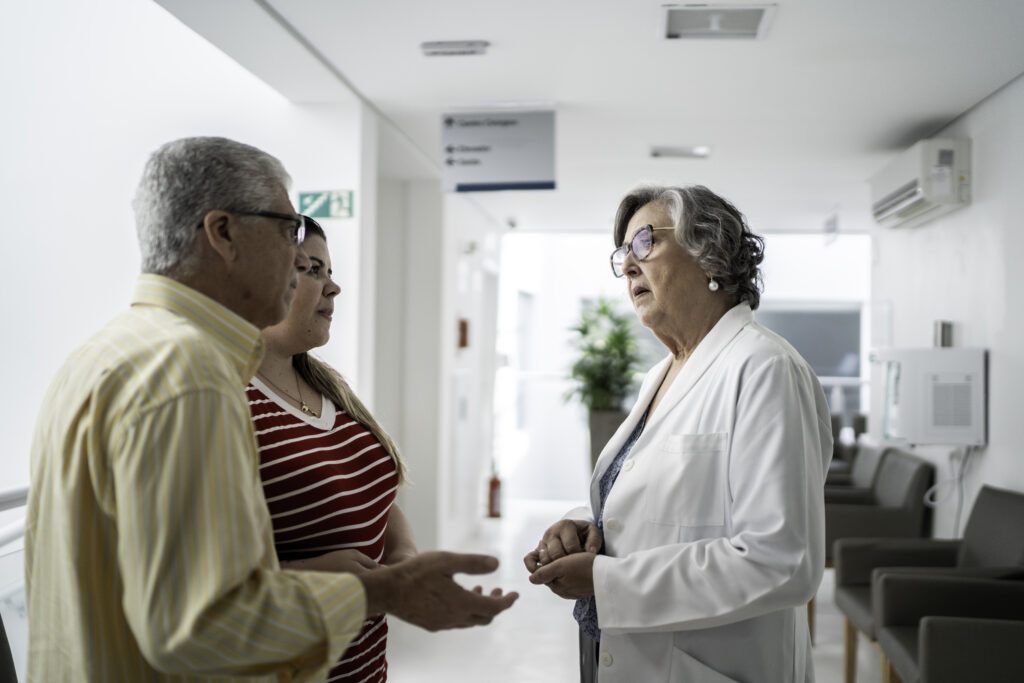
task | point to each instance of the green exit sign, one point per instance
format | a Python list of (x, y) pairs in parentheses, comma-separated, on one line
[(327, 204)]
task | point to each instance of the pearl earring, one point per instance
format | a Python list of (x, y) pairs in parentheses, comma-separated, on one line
[(713, 286)]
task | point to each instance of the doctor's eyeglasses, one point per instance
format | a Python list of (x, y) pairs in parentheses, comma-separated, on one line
[(640, 245)]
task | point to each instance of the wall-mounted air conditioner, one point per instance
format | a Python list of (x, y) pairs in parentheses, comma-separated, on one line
[(931, 178)]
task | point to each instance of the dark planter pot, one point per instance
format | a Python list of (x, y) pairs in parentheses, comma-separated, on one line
[(603, 424)]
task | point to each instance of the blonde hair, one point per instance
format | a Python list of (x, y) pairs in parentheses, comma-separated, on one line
[(331, 384)]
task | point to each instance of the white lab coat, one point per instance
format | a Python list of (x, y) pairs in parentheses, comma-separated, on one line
[(714, 530)]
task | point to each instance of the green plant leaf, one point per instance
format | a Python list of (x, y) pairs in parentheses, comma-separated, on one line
[(608, 358)]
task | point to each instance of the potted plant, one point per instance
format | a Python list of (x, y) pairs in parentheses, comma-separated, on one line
[(605, 371)]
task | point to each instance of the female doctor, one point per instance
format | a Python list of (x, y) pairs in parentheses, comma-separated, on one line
[(705, 535)]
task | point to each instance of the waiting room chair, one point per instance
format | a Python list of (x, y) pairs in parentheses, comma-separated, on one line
[(7, 672), (855, 485), (844, 455), (894, 508), (983, 643), (955, 649), (992, 547), (860, 426)]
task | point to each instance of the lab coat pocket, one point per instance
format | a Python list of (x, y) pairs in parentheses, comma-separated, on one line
[(685, 481), (685, 667)]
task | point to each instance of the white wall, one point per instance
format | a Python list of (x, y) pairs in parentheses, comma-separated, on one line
[(812, 268), (90, 90), (472, 258), (963, 267), (408, 368), (432, 397)]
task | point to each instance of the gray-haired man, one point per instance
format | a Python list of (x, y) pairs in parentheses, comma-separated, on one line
[(149, 552)]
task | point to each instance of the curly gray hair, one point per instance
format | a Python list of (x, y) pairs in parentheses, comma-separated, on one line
[(186, 178), (711, 229)]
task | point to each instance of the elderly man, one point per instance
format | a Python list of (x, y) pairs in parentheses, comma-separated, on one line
[(149, 553)]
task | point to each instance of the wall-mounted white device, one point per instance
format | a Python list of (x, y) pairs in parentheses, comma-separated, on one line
[(922, 183), (934, 396)]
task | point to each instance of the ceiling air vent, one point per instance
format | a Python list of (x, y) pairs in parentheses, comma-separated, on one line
[(734, 22), (453, 48)]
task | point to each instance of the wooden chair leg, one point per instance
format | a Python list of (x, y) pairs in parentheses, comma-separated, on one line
[(810, 619), (889, 674), (849, 652)]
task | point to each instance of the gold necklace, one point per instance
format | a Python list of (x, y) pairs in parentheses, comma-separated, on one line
[(302, 403)]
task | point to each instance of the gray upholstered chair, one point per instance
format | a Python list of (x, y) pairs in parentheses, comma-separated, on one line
[(956, 649), (843, 455), (992, 547), (915, 652), (7, 672), (860, 426), (894, 508), (838, 453), (856, 485)]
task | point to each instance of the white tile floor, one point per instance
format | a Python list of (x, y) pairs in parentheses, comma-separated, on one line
[(535, 641)]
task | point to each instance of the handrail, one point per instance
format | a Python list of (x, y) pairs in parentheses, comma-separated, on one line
[(831, 381), (13, 498), (12, 531)]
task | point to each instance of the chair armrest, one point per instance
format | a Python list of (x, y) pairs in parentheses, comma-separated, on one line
[(869, 521), (1004, 573), (903, 600), (849, 495), (956, 649), (855, 558), (837, 478)]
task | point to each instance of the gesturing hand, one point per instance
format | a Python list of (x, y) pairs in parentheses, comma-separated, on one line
[(565, 537), (421, 591), (570, 577)]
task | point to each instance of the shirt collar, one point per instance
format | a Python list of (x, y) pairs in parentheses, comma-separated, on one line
[(727, 327), (238, 338)]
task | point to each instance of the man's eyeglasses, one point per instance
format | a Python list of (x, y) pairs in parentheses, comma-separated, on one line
[(640, 245), (298, 221)]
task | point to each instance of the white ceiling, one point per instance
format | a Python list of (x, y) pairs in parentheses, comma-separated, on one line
[(797, 121)]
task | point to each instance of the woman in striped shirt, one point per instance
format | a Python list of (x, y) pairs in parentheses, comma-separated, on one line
[(329, 471)]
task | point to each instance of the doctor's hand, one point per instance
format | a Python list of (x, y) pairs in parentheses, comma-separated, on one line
[(564, 537), (570, 577)]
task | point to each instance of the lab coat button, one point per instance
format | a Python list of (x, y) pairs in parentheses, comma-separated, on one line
[(613, 525), (627, 466), (606, 659)]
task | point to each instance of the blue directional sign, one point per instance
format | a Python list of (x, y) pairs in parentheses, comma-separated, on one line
[(498, 150)]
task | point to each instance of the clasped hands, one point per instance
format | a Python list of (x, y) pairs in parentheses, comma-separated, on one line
[(564, 559)]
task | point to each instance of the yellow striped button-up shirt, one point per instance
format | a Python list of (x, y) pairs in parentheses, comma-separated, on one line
[(149, 554)]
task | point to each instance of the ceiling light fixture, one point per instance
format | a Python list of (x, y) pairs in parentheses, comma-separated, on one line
[(681, 152), (454, 48)]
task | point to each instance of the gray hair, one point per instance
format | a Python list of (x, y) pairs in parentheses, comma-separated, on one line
[(711, 229), (185, 179)]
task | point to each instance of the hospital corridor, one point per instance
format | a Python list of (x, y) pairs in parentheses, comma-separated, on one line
[(610, 341)]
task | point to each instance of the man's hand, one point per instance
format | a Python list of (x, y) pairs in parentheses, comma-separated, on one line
[(570, 577), (421, 591), (565, 537)]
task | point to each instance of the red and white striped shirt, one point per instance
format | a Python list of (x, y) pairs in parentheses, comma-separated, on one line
[(329, 485)]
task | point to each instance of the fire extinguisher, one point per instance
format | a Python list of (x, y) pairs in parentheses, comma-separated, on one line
[(494, 493)]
